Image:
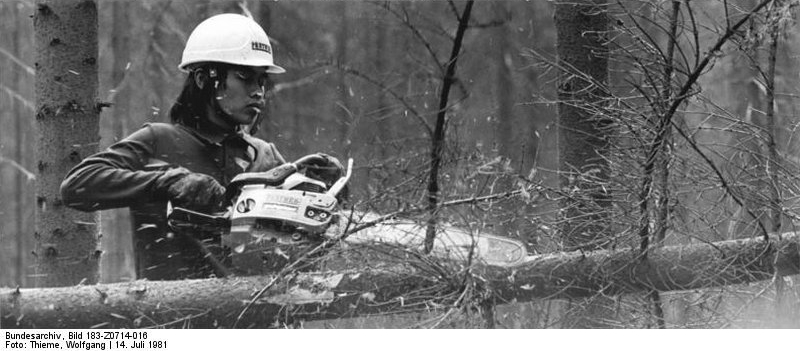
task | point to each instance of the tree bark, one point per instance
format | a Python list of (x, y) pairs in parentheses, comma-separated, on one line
[(504, 83), (397, 287), (67, 117), (505, 122), (773, 163), (19, 154), (746, 165), (116, 263), (583, 134), (582, 56), (381, 56), (345, 112)]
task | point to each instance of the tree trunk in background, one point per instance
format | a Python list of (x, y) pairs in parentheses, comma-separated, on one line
[(538, 116), (582, 134), (662, 166), (504, 84), (67, 120), (504, 114), (783, 310), (747, 163), (773, 163), (346, 117), (582, 55), (21, 118), (116, 263), (120, 39), (382, 123), (159, 64), (747, 166)]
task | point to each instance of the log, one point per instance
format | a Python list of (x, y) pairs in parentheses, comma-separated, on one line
[(404, 286)]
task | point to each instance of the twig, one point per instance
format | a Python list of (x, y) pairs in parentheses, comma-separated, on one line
[(28, 174), (25, 102), (28, 69)]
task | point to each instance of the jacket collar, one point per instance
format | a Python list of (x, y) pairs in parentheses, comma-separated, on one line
[(212, 134)]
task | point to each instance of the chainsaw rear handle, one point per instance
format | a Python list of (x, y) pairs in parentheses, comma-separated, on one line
[(311, 160), (275, 176)]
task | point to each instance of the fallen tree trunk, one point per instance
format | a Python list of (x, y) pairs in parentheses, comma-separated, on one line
[(403, 286)]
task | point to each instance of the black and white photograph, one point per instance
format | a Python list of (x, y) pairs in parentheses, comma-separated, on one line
[(396, 165)]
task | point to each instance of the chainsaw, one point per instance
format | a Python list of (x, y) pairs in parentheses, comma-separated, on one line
[(279, 215), (274, 216)]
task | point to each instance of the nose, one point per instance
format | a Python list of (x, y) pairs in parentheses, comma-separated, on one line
[(258, 93)]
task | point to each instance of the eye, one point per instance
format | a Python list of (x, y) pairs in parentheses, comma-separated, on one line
[(242, 75)]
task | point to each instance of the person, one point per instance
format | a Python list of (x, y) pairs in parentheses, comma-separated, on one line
[(229, 60)]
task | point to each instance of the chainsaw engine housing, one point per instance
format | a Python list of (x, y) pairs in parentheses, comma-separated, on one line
[(278, 216)]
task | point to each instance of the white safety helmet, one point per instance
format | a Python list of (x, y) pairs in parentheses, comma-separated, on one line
[(229, 38)]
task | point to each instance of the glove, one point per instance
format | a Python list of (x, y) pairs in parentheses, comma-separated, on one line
[(194, 191), (328, 171)]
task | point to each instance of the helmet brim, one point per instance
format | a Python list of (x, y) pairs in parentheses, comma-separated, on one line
[(187, 67)]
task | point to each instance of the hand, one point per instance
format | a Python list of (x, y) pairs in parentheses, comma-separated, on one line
[(195, 191), (334, 165), (328, 171)]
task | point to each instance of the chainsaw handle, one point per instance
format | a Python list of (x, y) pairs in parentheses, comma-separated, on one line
[(275, 176), (311, 160)]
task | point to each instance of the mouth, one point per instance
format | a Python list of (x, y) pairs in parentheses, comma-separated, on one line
[(256, 107)]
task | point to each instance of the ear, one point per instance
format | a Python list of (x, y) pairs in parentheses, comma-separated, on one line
[(200, 78)]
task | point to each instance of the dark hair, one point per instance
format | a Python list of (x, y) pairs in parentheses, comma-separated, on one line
[(189, 107)]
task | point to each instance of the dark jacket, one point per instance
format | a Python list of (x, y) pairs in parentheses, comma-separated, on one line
[(133, 173)]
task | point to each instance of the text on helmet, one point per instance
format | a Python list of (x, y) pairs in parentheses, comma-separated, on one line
[(261, 47)]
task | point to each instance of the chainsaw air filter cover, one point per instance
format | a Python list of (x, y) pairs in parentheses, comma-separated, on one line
[(307, 211)]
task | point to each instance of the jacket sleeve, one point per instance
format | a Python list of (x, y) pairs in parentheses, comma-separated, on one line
[(118, 176)]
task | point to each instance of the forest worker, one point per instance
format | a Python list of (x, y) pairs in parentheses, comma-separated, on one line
[(229, 61)]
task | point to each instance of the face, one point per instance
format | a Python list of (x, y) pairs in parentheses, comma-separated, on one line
[(242, 96)]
